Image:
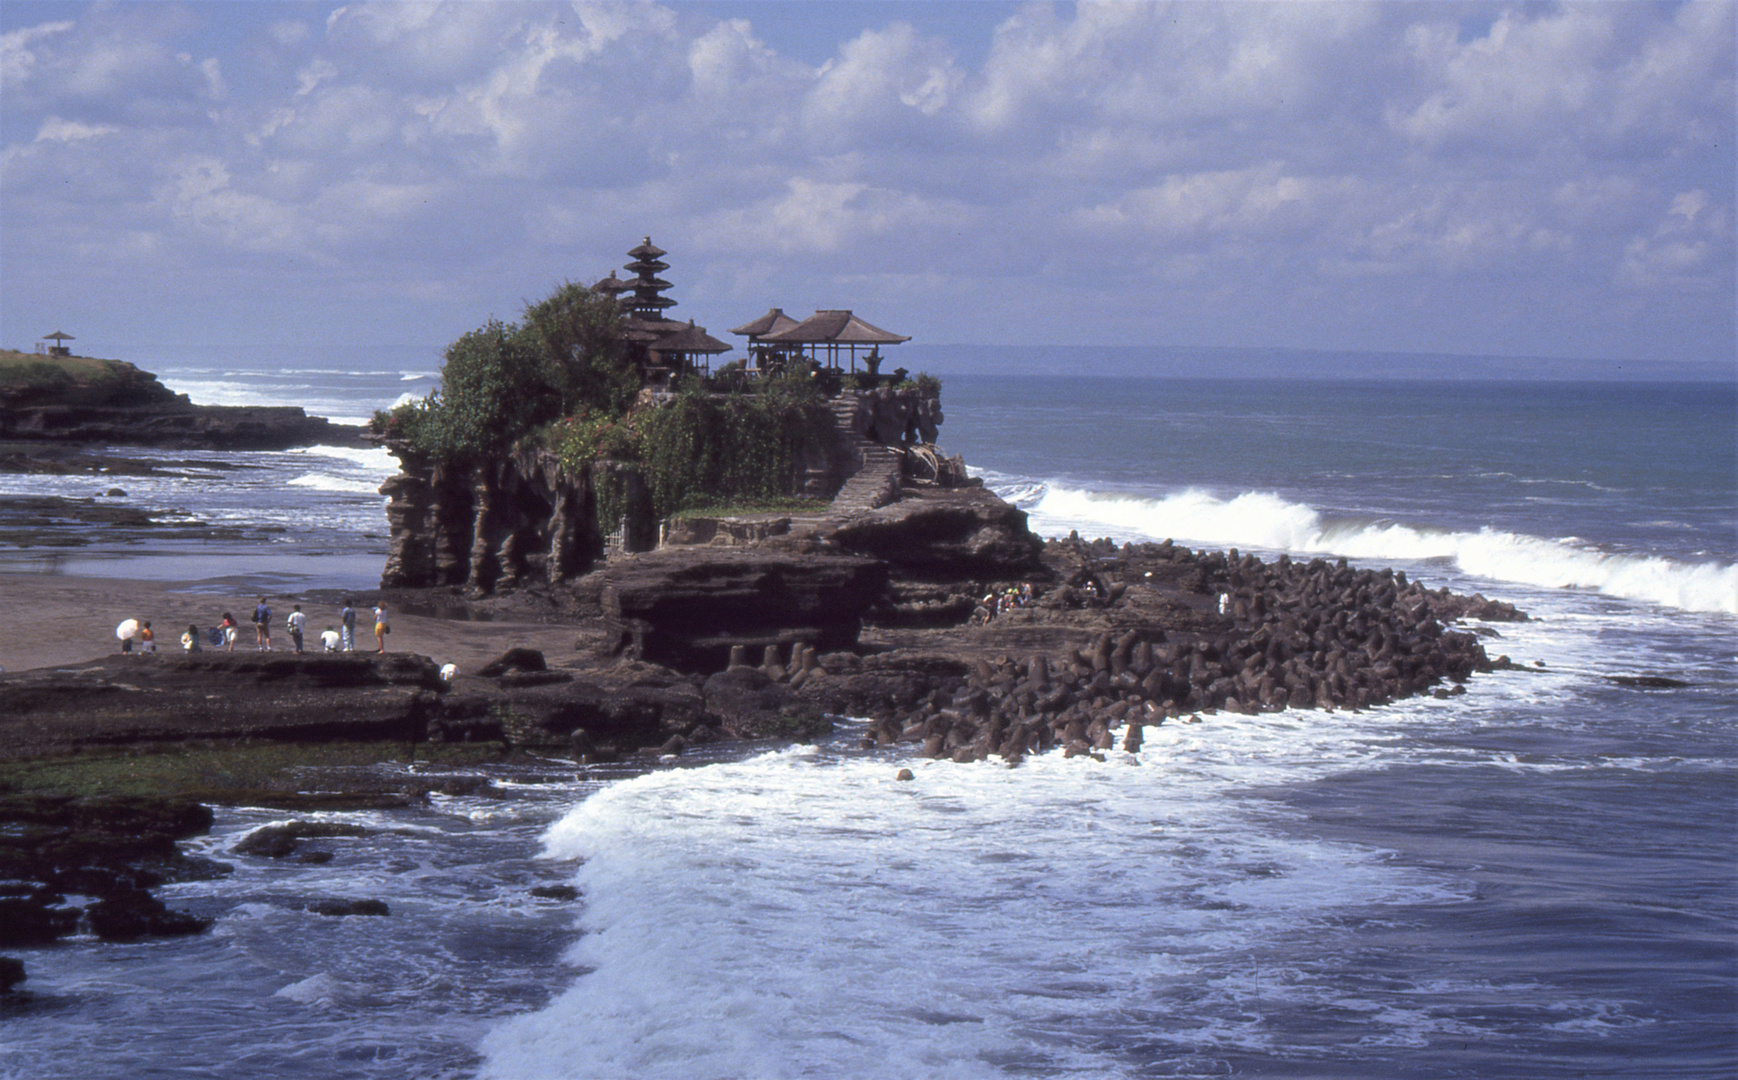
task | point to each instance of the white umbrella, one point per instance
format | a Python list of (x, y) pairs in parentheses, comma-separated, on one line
[(128, 628)]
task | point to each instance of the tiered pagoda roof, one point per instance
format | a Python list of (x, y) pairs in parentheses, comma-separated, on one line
[(664, 342)]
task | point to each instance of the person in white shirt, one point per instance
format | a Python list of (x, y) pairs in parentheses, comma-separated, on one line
[(296, 622)]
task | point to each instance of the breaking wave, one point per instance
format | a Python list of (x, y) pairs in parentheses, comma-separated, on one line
[(1265, 521)]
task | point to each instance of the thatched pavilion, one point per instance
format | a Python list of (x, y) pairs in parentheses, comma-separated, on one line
[(833, 331)]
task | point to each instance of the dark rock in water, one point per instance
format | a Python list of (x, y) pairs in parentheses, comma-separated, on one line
[(11, 973), (130, 915), (277, 841), (114, 850), (749, 704), (555, 892), (35, 919), (1648, 682), (338, 907)]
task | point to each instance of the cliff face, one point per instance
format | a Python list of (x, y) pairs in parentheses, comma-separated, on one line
[(526, 517), (113, 403), (523, 517)]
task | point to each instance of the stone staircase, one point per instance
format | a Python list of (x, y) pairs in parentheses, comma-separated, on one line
[(876, 482)]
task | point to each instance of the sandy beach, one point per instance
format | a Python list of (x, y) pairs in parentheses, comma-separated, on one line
[(48, 620)]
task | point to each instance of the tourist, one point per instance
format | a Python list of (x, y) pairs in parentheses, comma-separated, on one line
[(127, 631), (347, 619), (381, 629), (329, 639), (296, 622), (262, 626), (147, 640), (227, 628), (190, 640)]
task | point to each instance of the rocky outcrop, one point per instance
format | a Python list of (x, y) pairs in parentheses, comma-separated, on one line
[(140, 698), (129, 407), (1149, 633), (618, 708), (942, 533), (687, 607), (527, 518), (111, 852)]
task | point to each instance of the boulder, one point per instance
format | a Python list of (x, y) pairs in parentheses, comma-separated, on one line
[(943, 533), (687, 607)]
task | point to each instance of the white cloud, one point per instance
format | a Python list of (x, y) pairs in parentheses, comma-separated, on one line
[(883, 81), (1285, 154), (815, 216), (54, 129), (1684, 250), (18, 59)]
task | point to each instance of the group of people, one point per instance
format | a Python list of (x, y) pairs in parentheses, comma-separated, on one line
[(136, 633), (1008, 599)]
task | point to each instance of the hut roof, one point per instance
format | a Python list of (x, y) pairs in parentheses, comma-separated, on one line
[(58, 335), (611, 284), (772, 322), (834, 328), (648, 250), (689, 339)]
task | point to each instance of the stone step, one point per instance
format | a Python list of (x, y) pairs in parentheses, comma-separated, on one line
[(876, 484)]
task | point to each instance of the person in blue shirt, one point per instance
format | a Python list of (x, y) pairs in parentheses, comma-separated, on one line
[(347, 620), (262, 626)]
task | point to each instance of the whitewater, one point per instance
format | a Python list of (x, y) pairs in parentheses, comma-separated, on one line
[(1267, 523)]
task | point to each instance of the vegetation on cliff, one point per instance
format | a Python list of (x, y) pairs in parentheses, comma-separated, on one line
[(76, 380), (563, 379), (503, 380)]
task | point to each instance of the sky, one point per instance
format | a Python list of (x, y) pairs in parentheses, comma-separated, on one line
[(315, 184)]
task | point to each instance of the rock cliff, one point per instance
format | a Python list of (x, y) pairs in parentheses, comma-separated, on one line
[(528, 518), (113, 403)]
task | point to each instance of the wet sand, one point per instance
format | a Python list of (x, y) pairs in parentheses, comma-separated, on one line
[(50, 620)]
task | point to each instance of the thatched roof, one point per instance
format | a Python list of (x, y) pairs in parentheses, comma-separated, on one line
[(689, 339), (772, 322), (833, 328)]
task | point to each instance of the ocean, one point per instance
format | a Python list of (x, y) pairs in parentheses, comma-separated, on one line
[(1536, 879)]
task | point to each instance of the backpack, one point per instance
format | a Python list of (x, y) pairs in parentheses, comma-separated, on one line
[(215, 635)]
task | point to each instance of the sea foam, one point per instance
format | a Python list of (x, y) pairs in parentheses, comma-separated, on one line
[(1266, 521)]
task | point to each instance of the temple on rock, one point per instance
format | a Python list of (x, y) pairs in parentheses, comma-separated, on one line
[(663, 347), (659, 346)]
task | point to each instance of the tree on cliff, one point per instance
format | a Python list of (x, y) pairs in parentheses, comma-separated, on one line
[(502, 380), (580, 335)]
